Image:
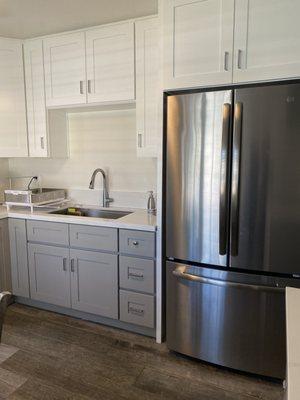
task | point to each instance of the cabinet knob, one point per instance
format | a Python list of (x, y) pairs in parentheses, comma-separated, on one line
[(135, 243)]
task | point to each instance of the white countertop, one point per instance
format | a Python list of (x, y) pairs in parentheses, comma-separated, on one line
[(138, 219)]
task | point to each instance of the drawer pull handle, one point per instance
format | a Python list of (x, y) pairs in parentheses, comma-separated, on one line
[(81, 87), (135, 243), (72, 265), (136, 311), (135, 275)]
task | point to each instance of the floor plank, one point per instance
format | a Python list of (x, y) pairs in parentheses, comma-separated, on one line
[(53, 356)]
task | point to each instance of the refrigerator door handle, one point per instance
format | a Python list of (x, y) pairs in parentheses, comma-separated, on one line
[(180, 272), (235, 180), (224, 180)]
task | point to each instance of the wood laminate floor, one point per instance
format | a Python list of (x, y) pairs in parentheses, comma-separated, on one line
[(46, 356)]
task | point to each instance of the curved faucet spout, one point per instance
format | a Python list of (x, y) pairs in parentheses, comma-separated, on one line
[(106, 199)]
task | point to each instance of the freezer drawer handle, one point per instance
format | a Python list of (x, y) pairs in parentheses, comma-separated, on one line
[(224, 180), (179, 272)]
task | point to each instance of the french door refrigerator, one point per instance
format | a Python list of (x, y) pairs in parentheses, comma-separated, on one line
[(232, 223)]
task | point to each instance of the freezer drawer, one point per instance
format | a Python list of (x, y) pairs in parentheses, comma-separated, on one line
[(226, 322)]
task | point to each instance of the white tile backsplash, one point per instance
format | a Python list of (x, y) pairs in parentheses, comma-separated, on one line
[(105, 139)]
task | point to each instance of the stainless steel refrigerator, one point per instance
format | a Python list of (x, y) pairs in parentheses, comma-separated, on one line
[(232, 223)]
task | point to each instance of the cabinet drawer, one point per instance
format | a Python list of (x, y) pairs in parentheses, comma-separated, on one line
[(48, 232), (137, 243), (137, 274), (137, 308), (94, 238)]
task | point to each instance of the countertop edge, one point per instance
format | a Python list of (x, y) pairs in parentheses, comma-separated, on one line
[(75, 220)]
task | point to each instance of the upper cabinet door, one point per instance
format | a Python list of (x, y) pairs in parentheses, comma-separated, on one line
[(198, 42), (65, 69), (13, 129), (267, 40), (147, 86), (35, 98), (110, 63)]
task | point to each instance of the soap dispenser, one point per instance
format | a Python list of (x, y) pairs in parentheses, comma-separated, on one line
[(151, 203)]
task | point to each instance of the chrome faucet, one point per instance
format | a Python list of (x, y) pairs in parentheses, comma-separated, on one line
[(106, 199)]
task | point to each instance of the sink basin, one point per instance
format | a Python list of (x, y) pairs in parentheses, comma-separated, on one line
[(90, 212)]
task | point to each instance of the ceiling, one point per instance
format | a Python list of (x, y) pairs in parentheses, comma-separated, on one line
[(30, 18)]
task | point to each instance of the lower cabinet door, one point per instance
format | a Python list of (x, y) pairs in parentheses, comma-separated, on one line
[(18, 256), (49, 274), (94, 282)]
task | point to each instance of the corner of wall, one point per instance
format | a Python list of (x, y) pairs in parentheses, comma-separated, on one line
[(4, 173)]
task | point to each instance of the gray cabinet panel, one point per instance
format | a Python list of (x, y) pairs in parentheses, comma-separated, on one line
[(94, 237), (137, 274), (5, 271), (137, 243), (18, 254), (94, 282), (48, 232), (137, 308), (49, 274)]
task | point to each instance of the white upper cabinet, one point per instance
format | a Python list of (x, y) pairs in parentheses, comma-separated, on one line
[(147, 36), (65, 76), (13, 129), (35, 98), (198, 42), (267, 40), (110, 63), (47, 130)]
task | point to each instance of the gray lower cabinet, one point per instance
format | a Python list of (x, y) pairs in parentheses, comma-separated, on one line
[(5, 272), (94, 282), (137, 308), (137, 274), (49, 274), (18, 254), (137, 243), (48, 232), (94, 238)]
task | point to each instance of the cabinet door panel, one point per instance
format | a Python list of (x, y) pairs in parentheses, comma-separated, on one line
[(5, 270), (198, 42), (267, 40), (18, 254), (94, 280), (147, 86), (35, 98), (48, 232), (49, 274), (110, 63), (65, 69), (13, 130)]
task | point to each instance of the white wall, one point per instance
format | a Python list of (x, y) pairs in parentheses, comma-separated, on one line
[(3, 175), (105, 139)]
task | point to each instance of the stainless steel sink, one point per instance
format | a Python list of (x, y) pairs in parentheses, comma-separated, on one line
[(90, 212)]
